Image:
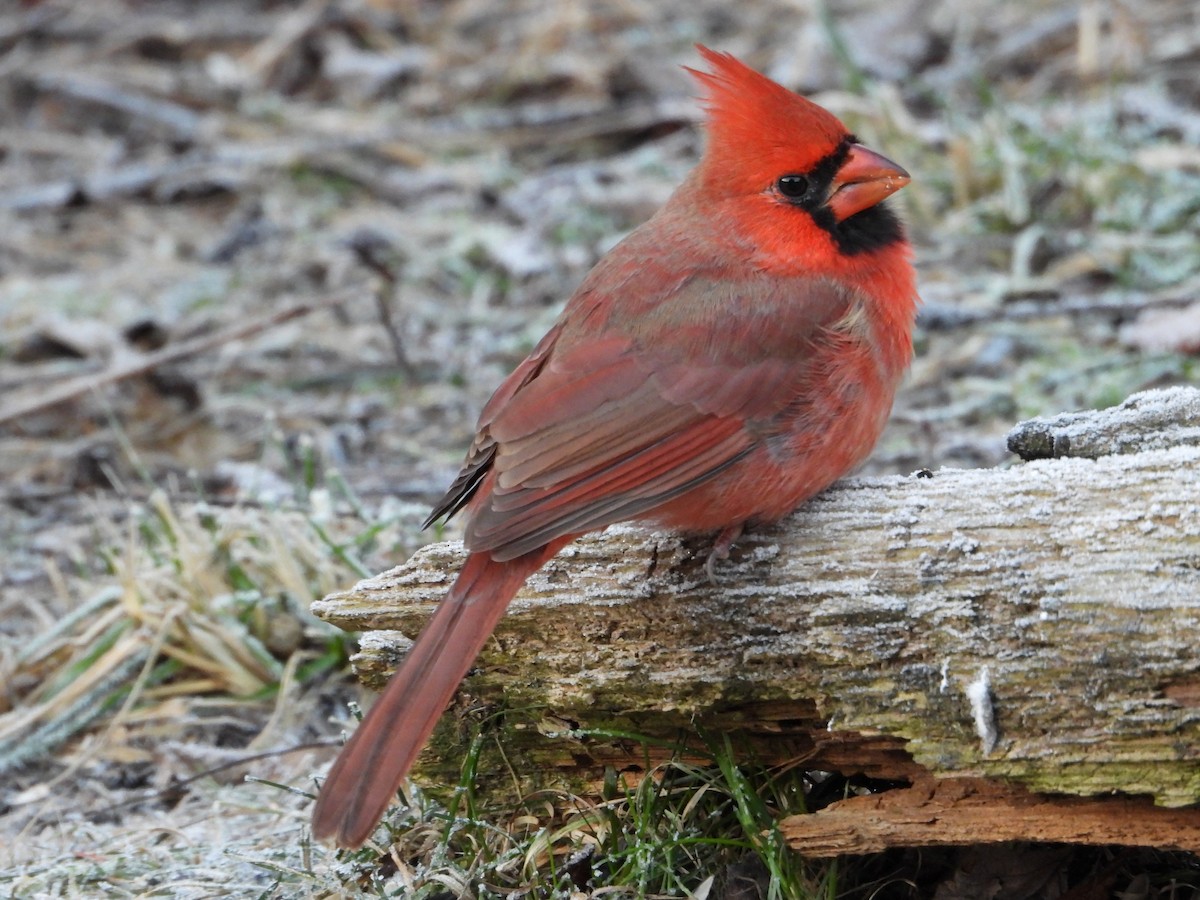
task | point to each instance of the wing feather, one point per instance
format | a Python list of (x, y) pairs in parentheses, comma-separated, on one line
[(639, 484), (594, 430)]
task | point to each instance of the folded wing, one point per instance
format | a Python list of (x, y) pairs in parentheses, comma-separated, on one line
[(586, 434)]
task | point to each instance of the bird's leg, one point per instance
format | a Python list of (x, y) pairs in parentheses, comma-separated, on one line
[(720, 549)]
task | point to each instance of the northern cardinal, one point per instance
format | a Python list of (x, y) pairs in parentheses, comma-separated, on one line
[(726, 361)]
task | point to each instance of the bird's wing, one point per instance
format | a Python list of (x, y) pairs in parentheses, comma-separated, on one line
[(601, 428)]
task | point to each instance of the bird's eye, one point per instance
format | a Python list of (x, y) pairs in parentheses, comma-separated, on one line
[(792, 186)]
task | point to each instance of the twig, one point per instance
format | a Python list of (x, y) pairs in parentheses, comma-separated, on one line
[(377, 254), (944, 317), (171, 118), (176, 787), (76, 387)]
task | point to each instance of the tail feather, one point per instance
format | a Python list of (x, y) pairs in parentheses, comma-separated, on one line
[(379, 754)]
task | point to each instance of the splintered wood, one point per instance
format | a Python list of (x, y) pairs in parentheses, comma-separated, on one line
[(969, 810)]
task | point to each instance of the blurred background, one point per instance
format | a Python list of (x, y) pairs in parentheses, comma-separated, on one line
[(262, 263)]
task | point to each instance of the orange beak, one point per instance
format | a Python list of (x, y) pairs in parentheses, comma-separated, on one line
[(864, 179)]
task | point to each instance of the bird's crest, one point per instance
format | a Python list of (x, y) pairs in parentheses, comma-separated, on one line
[(757, 129)]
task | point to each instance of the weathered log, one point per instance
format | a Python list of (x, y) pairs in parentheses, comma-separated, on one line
[(1037, 625), (948, 811)]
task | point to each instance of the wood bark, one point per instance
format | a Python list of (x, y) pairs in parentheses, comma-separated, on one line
[(956, 810), (1036, 626)]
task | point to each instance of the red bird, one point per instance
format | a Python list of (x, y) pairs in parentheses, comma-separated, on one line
[(729, 359)]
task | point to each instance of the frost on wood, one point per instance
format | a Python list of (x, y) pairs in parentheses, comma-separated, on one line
[(849, 637), (979, 692), (1145, 421)]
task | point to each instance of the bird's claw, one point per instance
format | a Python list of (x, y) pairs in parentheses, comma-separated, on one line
[(720, 551)]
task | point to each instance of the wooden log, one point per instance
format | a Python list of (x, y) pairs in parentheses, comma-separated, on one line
[(1036, 625), (949, 811)]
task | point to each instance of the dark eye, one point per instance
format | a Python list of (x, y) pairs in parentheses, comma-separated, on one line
[(792, 186)]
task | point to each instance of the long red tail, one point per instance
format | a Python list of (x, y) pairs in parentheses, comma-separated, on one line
[(379, 754)]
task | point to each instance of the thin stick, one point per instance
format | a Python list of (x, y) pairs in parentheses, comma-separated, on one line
[(75, 387)]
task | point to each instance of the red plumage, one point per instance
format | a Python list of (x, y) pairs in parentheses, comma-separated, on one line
[(729, 359)]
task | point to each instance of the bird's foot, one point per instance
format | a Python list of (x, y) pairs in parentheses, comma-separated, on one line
[(720, 550)]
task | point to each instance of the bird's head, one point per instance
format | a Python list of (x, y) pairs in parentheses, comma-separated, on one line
[(789, 166)]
